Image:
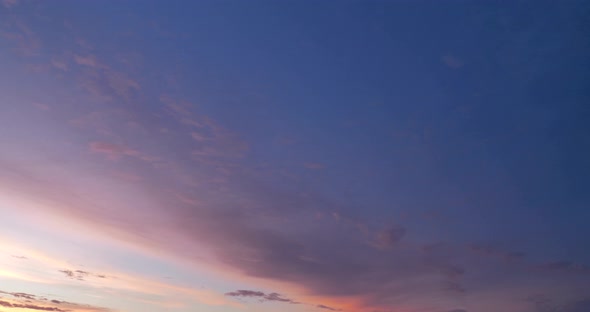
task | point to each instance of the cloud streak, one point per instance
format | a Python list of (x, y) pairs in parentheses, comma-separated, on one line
[(321, 306), (30, 302), (260, 295)]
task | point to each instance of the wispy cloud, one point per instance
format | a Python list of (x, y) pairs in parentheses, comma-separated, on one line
[(19, 295), (111, 150), (260, 295), (24, 301), (9, 3), (27, 42), (28, 306), (389, 238), (116, 151), (321, 306), (214, 140), (80, 275), (88, 60), (102, 80), (59, 64)]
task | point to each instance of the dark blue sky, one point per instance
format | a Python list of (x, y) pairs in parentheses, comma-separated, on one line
[(432, 155)]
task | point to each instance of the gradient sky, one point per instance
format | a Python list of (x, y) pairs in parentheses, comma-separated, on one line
[(301, 156)]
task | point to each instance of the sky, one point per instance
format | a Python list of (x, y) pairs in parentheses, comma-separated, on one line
[(301, 156)]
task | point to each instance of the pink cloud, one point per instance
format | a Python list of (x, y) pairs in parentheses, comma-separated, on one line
[(121, 84), (105, 82), (388, 238), (215, 140), (89, 60), (116, 151), (59, 64), (97, 121), (9, 3), (27, 42), (198, 137), (112, 151)]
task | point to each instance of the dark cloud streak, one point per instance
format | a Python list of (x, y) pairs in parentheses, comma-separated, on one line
[(321, 306), (262, 296), (7, 304)]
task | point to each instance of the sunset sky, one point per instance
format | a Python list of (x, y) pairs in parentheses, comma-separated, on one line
[(294, 156)]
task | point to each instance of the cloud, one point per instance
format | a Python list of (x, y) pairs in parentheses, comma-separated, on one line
[(321, 306), (24, 301), (68, 273), (23, 295), (388, 238), (9, 3), (28, 306), (262, 296), (323, 259), (58, 64), (121, 84), (26, 40), (277, 297), (116, 151), (19, 295), (245, 293), (108, 85), (214, 140), (112, 150), (102, 80), (89, 60), (198, 137), (80, 275)]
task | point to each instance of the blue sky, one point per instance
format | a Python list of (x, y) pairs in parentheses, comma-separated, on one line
[(391, 156)]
